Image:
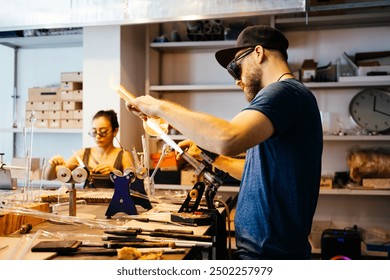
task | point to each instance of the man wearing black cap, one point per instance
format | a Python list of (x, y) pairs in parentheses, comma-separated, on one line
[(280, 131)]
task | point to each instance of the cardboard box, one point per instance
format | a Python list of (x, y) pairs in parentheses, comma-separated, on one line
[(78, 123), (72, 105), (316, 232), (376, 183), (67, 114), (38, 123), (42, 115), (72, 95), (308, 70), (43, 105), (364, 70), (71, 86), (55, 123), (67, 94), (44, 94), (77, 95), (326, 183), (168, 163), (71, 76), (71, 123), (188, 177), (35, 172), (54, 115), (78, 114)]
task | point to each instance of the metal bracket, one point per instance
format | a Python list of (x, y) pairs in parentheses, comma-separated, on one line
[(121, 200)]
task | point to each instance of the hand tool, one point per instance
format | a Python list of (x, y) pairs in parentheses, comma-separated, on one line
[(122, 238), (205, 238), (135, 231), (131, 233), (147, 220), (118, 245), (114, 252)]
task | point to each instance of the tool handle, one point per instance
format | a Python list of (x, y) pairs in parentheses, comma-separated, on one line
[(145, 244), (144, 220), (181, 231), (126, 232), (182, 236)]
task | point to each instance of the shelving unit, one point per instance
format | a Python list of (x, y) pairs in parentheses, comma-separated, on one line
[(188, 47)]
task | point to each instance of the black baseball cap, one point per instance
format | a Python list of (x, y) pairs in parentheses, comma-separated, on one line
[(251, 36)]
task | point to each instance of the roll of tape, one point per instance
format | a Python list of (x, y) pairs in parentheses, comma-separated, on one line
[(141, 173), (79, 174), (114, 174), (130, 172), (64, 174)]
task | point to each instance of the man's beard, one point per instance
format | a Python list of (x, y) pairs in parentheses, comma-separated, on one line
[(253, 86)]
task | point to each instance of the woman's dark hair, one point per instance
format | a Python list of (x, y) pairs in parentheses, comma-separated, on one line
[(110, 115)]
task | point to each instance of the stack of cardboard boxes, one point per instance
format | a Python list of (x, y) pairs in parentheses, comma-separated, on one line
[(57, 107)]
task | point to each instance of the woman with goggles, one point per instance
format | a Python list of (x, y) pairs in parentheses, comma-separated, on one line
[(101, 159)]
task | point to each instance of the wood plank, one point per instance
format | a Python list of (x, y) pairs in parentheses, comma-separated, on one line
[(11, 222)]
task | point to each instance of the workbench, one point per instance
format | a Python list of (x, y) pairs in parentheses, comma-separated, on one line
[(95, 212)]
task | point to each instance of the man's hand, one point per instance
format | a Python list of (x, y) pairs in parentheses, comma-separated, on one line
[(191, 148), (135, 111)]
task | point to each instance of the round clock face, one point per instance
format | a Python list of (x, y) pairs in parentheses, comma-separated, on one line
[(370, 109)]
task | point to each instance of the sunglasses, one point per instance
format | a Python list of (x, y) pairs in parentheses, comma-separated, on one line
[(93, 133), (234, 68)]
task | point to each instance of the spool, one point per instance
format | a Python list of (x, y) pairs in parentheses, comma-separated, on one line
[(194, 193), (64, 174), (141, 173), (130, 172), (115, 173), (79, 174)]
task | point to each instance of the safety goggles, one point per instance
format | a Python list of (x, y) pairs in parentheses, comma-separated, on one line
[(234, 68), (93, 133)]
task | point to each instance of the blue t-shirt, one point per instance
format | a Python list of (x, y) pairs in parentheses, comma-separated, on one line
[(280, 185)]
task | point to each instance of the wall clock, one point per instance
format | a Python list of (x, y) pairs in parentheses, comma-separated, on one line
[(370, 109)]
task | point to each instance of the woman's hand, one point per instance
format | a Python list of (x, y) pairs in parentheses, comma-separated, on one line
[(57, 160), (103, 169)]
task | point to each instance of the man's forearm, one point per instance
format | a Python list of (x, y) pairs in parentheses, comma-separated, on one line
[(233, 166)]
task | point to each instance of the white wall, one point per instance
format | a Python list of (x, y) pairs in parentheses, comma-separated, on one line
[(42, 67), (101, 59), (6, 91)]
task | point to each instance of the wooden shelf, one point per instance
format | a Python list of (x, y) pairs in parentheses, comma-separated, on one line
[(357, 138), (333, 21), (193, 87), (346, 191), (233, 87), (348, 84), (192, 45)]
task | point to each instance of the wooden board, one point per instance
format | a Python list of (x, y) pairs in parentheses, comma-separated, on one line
[(11, 222)]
